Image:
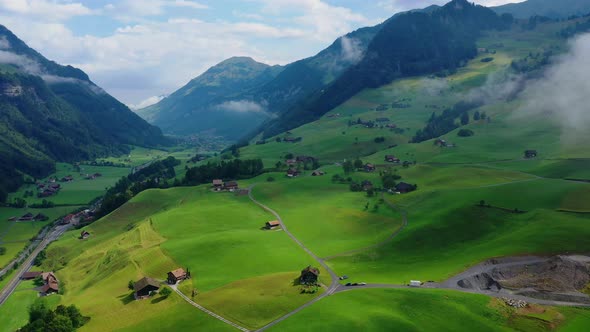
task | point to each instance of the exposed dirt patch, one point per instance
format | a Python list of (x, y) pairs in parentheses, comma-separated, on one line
[(559, 278)]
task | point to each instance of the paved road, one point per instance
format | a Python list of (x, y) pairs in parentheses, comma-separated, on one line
[(26, 265), (207, 311), (334, 285), (22, 255)]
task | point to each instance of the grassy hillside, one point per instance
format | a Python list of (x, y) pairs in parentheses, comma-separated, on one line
[(426, 310), (210, 233)]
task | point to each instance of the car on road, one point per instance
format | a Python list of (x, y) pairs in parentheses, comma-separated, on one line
[(343, 277), (362, 283)]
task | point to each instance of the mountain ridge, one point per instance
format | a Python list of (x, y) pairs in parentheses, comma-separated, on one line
[(55, 113)]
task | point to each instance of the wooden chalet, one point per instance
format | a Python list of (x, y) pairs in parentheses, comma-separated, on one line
[(391, 126), (51, 283), (84, 235), (176, 276), (231, 185), (392, 159), (68, 178), (145, 287), (370, 168), (367, 185), (26, 217), (272, 224), (309, 276), (291, 162), (31, 275), (529, 154), (217, 184), (40, 217), (317, 173), (292, 173)]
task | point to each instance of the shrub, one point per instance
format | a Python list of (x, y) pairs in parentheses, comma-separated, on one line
[(165, 292), (465, 133)]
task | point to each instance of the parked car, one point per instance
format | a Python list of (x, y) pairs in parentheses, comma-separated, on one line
[(362, 283), (343, 277)]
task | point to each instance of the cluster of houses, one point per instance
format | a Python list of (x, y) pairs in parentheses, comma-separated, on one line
[(219, 185), (50, 281), (76, 218), (392, 159), (30, 217), (48, 189), (146, 286)]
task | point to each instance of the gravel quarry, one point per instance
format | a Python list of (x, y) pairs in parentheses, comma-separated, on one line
[(556, 278)]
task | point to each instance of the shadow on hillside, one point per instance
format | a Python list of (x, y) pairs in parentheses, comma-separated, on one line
[(127, 298), (159, 299)]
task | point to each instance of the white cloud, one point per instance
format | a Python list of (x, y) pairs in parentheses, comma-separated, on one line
[(24, 63), (242, 106), (129, 8), (323, 21), (146, 102), (4, 43), (561, 94), (48, 10), (351, 49)]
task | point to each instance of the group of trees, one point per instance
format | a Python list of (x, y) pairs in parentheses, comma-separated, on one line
[(439, 125), (156, 175), (62, 319), (234, 169)]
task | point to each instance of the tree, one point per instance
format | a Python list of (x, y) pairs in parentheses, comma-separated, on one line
[(483, 115), (165, 292), (482, 203), (465, 118), (270, 179), (476, 116), (465, 133), (370, 193), (131, 285), (358, 164), (289, 156), (2, 251), (347, 166)]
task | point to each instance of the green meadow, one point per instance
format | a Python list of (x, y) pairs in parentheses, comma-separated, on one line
[(327, 217), (448, 232), (14, 313), (15, 236), (217, 236), (427, 310), (80, 191)]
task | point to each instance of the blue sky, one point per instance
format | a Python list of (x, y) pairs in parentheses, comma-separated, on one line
[(138, 50)]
